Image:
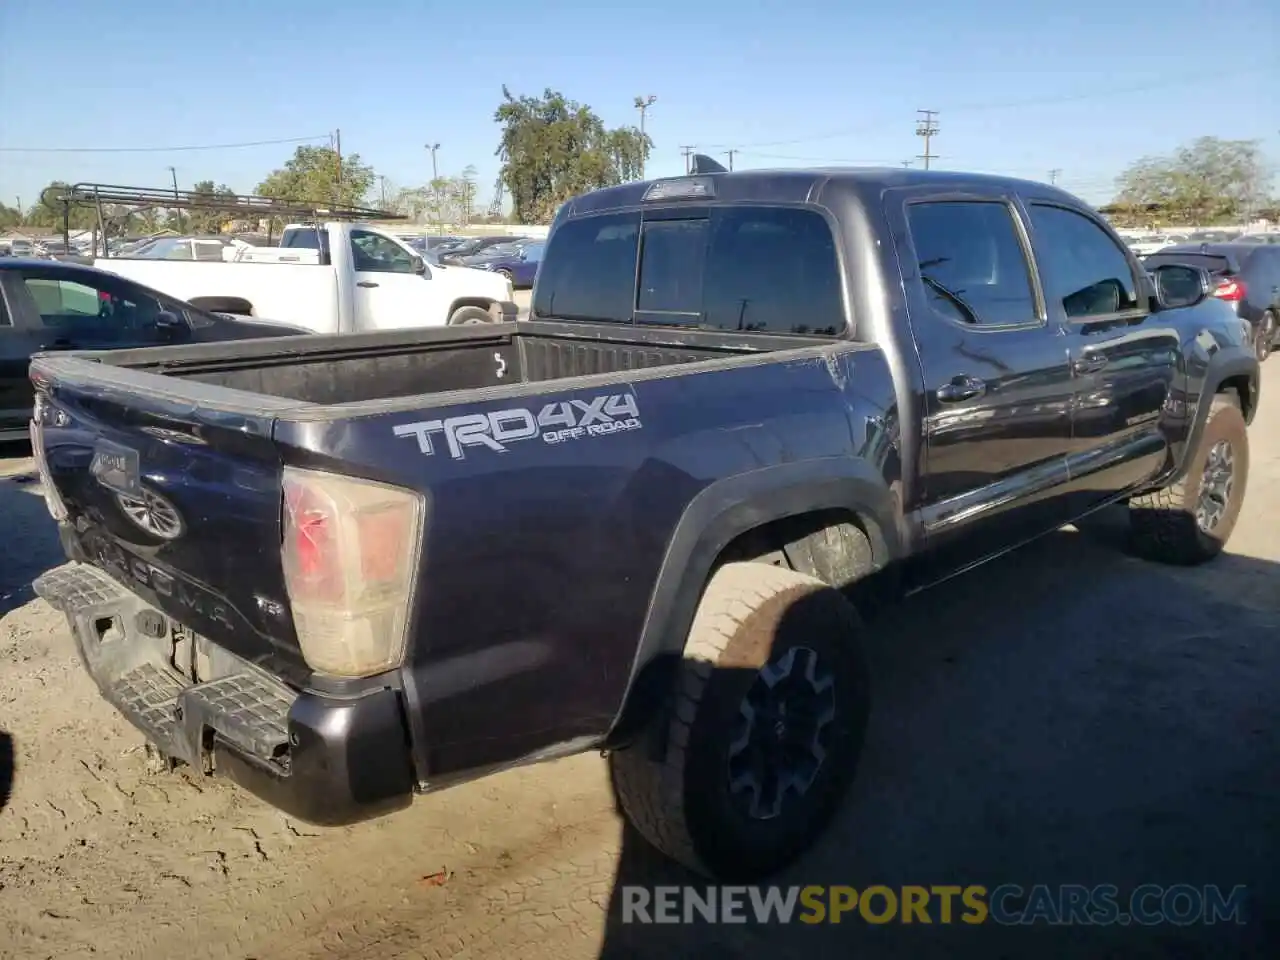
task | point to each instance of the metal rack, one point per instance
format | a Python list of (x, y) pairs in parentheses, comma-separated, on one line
[(248, 206)]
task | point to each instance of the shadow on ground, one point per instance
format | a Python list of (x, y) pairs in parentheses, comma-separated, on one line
[(1068, 715), (6, 769), (29, 537)]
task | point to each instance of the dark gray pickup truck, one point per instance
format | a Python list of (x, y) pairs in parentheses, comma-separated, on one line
[(343, 571)]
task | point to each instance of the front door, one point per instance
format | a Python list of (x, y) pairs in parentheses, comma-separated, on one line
[(1123, 357), (390, 293), (998, 387)]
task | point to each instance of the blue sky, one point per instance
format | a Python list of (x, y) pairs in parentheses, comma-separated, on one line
[(1021, 87)]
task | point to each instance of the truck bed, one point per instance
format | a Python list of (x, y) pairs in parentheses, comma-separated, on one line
[(403, 363)]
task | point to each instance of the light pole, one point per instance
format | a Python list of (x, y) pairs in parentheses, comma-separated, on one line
[(643, 104), (176, 212), (435, 179)]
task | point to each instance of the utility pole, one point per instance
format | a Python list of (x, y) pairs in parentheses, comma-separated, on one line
[(927, 127), (1053, 175), (176, 212), (383, 182), (688, 152), (731, 153), (643, 104), (907, 163), (22, 214), (435, 178)]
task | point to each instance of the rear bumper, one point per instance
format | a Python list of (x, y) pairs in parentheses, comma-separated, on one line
[(324, 760)]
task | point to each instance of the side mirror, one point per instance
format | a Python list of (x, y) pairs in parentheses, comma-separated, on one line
[(1180, 285), (419, 265), (167, 320)]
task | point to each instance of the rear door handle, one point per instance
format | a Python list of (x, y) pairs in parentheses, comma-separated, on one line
[(1089, 363), (961, 388), (366, 283)]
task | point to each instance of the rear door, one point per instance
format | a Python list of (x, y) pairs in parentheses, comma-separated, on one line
[(998, 388), (1123, 358), (15, 354)]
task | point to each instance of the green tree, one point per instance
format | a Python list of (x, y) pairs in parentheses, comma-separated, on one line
[(311, 175), (1207, 181), (10, 217), (553, 149), (46, 212), (209, 221)]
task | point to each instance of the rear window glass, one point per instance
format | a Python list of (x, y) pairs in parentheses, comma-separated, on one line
[(757, 269), (1203, 261)]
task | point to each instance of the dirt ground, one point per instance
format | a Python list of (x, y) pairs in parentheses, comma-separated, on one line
[(1068, 715)]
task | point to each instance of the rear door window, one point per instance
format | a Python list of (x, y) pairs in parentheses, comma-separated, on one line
[(972, 263)]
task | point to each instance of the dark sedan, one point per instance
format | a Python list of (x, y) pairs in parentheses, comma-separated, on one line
[(54, 305), (470, 248), (517, 262), (1246, 275)]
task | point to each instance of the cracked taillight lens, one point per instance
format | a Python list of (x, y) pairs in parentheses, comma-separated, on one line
[(350, 553)]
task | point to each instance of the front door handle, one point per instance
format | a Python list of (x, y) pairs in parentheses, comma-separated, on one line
[(366, 283), (1089, 363), (961, 388)]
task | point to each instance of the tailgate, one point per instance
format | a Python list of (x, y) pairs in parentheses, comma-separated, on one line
[(174, 490)]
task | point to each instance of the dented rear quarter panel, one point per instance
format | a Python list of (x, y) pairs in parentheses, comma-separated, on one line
[(540, 559)]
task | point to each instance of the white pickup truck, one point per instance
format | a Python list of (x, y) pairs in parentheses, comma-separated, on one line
[(331, 278)]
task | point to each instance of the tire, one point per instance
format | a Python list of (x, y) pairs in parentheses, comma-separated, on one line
[(1167, 525), (507, 275), (468, 315), (1266, 335), (752, 615)]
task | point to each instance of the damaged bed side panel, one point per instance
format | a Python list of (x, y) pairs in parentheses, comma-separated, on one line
[(557, 508)]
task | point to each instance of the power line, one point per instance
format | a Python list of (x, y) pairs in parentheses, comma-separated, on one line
[(207, 146), (878, 125)]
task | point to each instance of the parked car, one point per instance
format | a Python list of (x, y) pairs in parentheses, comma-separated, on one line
[(457, 253), (517, 262), (215, 249), (1244, 275), (744, 402), (331, 278), (56, 305), (1273, 238)]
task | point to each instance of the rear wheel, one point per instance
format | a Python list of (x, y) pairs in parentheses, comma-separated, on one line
[(765, 730), (1190, 522), (468, 315), (1266, 335)]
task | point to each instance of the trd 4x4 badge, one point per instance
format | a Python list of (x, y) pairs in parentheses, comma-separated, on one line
[(554, 423)]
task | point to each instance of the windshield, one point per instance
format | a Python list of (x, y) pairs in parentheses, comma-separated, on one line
[(166, 248)]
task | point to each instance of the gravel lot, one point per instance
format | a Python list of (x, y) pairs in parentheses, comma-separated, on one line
[(1070, 715)]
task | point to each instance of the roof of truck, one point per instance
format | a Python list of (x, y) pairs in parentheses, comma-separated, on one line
[(797, 185)]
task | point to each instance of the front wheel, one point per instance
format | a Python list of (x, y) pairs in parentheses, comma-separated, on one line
[(1190, 522), (764, 732)]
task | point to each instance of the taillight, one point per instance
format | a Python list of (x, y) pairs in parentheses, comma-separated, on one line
[(1230, 289), (350, 552)]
